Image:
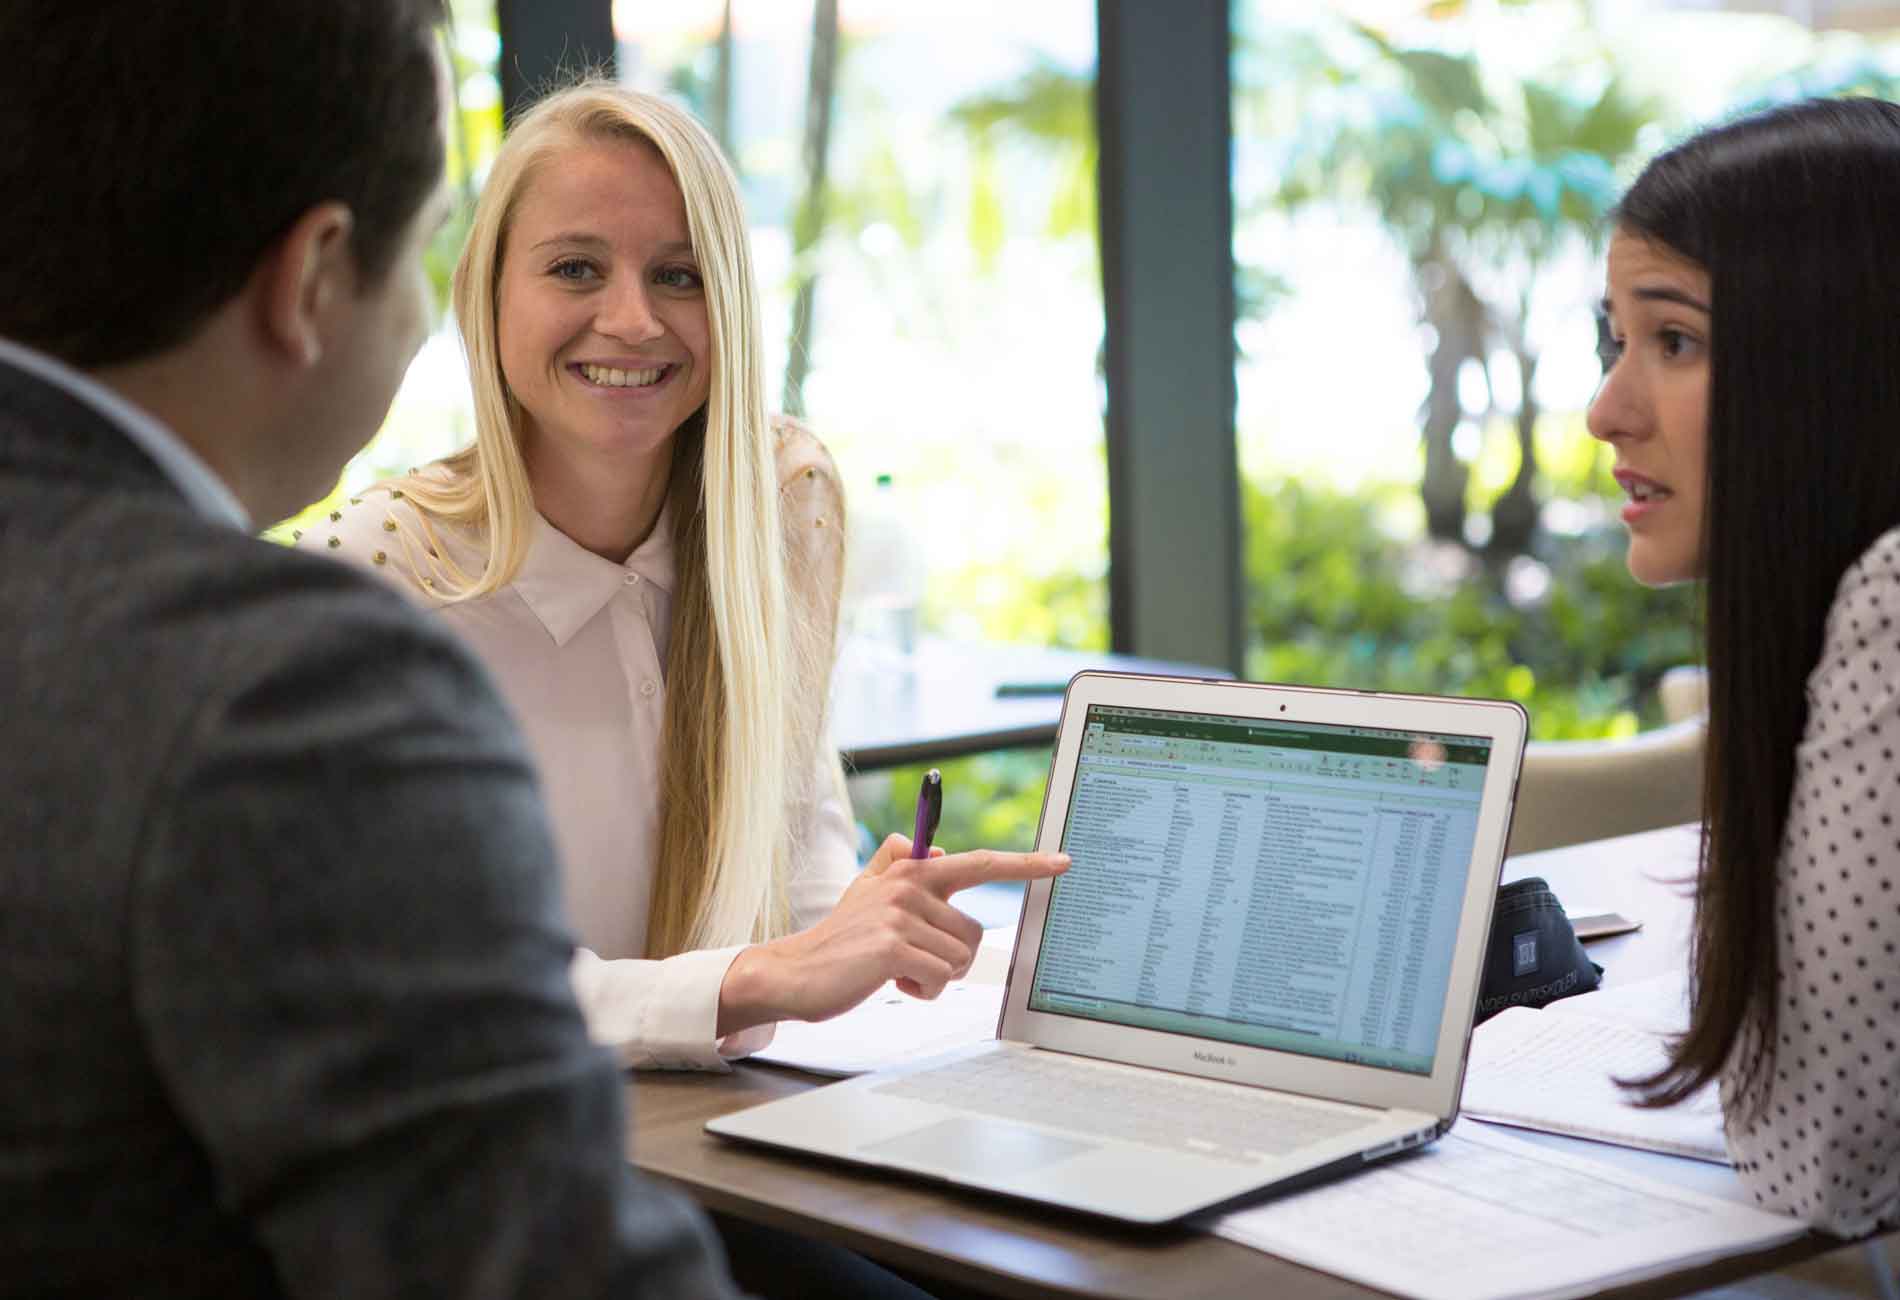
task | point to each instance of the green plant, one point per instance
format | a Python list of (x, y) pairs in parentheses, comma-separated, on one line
[(1339, 594), (1335, 600), (990, 801), (1484, 175)]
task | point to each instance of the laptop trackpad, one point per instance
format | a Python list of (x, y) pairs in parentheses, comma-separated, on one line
[(973, 1146)]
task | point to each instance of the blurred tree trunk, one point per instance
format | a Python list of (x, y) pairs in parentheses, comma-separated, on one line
[(809, 222), (722, 85), (1457, 317), (1514, 515)]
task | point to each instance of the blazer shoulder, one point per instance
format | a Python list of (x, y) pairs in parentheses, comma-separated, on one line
[(222, 618)]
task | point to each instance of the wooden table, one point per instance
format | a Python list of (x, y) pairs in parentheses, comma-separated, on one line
[(997, 1247), (889, 710)]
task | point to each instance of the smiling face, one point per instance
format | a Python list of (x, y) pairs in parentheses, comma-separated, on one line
[(1653, 406), (601, 312)]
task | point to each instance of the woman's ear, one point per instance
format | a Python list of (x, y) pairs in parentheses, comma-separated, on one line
[(303, 279)]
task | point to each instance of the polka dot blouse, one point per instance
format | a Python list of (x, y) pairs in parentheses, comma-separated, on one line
[(1827, 1148)]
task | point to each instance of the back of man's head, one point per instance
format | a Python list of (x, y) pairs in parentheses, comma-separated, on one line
[(151, 151)]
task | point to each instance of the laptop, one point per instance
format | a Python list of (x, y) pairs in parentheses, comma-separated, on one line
[(1260, 969)]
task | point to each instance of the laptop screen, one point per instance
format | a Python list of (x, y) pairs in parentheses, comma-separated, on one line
[(1279, 885)]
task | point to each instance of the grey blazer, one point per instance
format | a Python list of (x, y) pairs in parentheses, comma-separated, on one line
[(283, 976)]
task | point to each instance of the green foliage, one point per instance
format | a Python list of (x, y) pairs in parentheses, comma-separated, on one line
[(1339, 595), (1335, 600), (990, 801), (986, 205), (444, 250), (1048, 107), (1859, 71), (878, 191), (471, 47), (1065, 609), (1450, 153)]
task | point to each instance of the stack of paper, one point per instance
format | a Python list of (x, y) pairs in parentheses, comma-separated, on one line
[(1482, 1216), (889, 1028)]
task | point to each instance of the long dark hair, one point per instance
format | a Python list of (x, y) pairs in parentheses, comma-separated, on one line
[(1792, 212)]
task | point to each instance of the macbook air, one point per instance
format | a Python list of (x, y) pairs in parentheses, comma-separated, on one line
[(1260, 969)]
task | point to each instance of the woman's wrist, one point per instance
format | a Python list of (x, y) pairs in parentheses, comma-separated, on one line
[(747, 994)]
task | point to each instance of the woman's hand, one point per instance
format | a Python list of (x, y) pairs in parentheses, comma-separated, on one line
[(894, 923)]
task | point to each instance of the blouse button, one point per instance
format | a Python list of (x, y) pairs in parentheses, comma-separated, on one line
[(631, 579), (648, 687)]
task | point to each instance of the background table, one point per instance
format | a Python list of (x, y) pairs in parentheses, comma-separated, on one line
[(992, 1246), (888, 710)]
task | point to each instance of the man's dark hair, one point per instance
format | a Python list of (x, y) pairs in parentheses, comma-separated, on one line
[(152, 150), (1791, 212)]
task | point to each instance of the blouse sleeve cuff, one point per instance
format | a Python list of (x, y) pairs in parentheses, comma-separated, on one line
[(661, 1015)]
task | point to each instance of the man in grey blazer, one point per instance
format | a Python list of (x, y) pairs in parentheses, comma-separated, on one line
[(283, 979)]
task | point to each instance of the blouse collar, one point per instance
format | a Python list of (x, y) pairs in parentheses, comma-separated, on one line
[(565, 584)]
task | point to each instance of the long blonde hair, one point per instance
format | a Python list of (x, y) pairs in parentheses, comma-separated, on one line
[(746, 679)]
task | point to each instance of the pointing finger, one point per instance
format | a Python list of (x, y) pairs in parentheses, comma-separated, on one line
[(946, 875)]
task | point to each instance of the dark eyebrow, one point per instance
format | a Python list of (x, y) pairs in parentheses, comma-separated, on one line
[(1661, 294), (1665, 294)]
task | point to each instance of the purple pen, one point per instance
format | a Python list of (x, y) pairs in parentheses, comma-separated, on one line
[(929, 813)]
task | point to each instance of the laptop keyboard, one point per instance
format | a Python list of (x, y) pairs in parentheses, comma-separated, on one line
[(1148, 1106)]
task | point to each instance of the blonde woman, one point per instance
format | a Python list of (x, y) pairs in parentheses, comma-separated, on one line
[(651, 569)]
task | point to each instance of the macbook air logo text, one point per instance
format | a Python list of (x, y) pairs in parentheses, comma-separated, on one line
[(1214, 1058)]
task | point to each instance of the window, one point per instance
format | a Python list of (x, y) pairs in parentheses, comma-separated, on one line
[(932, 306), (1420, 195), (920, 181), (433, 413)]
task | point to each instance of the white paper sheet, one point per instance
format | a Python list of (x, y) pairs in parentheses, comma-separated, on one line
[(1479, 1215), (1556, 1070), (1659, 1004), (889, 1028)]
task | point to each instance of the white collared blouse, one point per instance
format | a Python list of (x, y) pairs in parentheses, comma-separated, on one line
[(578, 645)]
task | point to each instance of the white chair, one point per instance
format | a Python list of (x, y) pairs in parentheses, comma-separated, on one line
[(1683, 692), (1576, 790)]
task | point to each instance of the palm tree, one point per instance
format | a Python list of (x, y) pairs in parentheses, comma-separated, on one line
[(1481, 179), (808, 220), (1051, 109)]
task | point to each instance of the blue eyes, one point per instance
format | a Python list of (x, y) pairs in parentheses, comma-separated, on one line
[(677, 277), (579, 270)]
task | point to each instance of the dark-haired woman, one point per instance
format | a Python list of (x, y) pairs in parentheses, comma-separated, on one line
[(1752, 398)]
